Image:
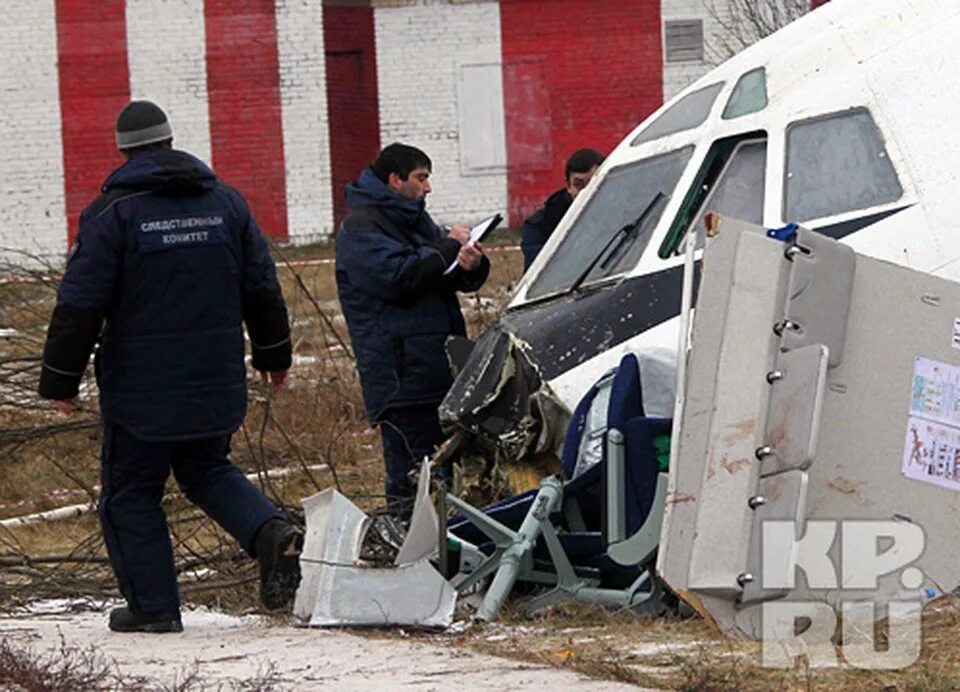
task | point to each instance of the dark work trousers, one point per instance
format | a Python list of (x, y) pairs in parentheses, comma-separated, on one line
[(409, 433), (134, 525)]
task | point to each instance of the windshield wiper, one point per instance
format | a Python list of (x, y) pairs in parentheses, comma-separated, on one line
[(617, 241)]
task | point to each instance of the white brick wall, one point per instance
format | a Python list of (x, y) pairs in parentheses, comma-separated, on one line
[(719, 44), (32, 212), (421, 47), (678, 75), (166, 52), (303, 96), (419, 51)]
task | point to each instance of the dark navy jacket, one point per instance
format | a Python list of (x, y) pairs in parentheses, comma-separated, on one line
[(168, 263), (539, 226), (399, 306)]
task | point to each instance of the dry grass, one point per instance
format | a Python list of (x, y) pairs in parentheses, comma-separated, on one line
[(47, 461), (70, 669), (687, 654)]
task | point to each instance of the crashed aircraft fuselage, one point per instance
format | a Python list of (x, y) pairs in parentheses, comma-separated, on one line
[(843, 121)]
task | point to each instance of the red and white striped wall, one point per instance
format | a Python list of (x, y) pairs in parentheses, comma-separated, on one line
[(501, 93), (290, 99), (242, 80)]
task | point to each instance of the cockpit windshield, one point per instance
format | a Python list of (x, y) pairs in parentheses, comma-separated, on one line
[(610, 234), (689, 112)]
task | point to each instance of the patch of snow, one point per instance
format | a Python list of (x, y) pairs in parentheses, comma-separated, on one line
[(646, 649), (228, 651)]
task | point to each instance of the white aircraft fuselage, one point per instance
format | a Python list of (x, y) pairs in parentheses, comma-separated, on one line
[(844, 121)]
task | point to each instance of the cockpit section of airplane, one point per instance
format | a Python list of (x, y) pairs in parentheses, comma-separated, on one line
[(828, 126)]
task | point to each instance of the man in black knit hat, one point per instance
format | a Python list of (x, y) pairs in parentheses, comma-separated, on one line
[(167, 266)]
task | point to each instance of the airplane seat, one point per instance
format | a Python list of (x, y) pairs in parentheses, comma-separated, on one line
[(639, 480), (603, 525)]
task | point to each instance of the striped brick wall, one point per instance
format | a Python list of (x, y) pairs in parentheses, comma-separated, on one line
[(94, 86), (32, 206), (166, 53), (498, 93), (422, 50), (353, 99), (243, 82), (590, 76), (303, 100), (246, 129)]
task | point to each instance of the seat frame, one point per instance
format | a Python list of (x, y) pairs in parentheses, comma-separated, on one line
[(512, 557)]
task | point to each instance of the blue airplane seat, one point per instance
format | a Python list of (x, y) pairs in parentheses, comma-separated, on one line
[(596, 508)]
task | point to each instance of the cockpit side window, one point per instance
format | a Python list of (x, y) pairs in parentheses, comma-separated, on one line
[(739, 192), (611, 232), (730, 182), (836, 163), (689, 112), (749, 95)]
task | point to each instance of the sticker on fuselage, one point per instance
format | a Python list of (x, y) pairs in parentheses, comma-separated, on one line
[(931, 451)]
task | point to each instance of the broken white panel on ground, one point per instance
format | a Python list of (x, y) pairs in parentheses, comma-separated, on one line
[(337, 590), (422, 538), (412, 595)]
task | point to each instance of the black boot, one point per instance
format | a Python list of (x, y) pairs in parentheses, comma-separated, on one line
[(126, 620), (278, 547)]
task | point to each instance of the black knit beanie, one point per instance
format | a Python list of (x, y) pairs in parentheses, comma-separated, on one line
[(141, 123)]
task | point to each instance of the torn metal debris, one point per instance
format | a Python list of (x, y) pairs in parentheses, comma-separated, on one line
[(501, 398), (336, 589)]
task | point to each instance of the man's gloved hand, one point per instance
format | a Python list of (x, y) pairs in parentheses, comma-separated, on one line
[(277, 379), (470, 257)]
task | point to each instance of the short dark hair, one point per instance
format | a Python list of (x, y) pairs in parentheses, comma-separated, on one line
[(581, 161), (400, 159)]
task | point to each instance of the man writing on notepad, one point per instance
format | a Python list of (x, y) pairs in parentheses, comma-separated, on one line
[(400, 306)]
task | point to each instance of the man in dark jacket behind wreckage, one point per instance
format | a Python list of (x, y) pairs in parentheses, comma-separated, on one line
[(401, 306), (539, 226), (167, 265)]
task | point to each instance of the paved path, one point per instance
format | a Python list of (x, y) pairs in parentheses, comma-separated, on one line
[(230, 650)]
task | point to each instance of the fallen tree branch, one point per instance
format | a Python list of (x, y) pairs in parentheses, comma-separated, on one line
[(77, 510), (17, 435)]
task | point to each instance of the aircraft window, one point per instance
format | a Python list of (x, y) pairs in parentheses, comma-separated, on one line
[(837, 164), (739, 192), (730, 182), (686, 114), (615, 226), (748, 96)]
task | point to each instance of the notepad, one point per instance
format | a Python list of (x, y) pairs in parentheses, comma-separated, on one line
[(478, 233)]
